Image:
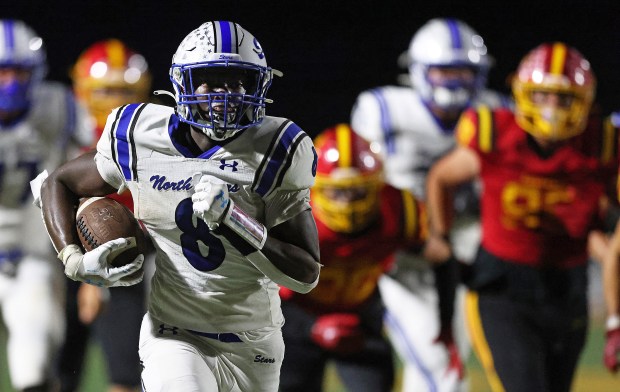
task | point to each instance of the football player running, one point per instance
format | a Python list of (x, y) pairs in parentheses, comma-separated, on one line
[(106, 75), (544, 167), (39, 120), (223, 191), (361, 222), (412, 128)]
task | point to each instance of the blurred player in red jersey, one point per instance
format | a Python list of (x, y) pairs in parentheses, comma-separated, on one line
[(544, 169), (361, 222), (106, 75)]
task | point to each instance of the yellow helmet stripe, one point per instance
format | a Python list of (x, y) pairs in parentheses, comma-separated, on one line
[(343, 140), (116, 53), (485, 129), (558, 58), (410, 215)]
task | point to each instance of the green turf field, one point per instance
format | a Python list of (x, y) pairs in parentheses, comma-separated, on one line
[(591, 376)]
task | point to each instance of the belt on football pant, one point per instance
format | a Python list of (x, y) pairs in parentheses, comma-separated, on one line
[(222, 337)]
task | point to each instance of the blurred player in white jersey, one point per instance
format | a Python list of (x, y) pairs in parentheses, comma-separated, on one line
[(412, 128), (39, 121), (106, 75), (223, 190)]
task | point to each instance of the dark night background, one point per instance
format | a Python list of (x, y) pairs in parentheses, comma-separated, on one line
[(329, 51)]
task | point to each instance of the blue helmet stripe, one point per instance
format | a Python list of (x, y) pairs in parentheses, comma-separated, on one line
[(226, 36), (278, 158), (9, 35), (455, 33), (122, 144)]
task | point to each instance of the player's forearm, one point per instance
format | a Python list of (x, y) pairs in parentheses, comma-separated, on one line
[(291, 260), (58, 208), (458, 167), (439, 202), (282, 246), (60, 194)]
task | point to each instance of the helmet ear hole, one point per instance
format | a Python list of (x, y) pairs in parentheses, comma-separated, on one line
[(220, 78)]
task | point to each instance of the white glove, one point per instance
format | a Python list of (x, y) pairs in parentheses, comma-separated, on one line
[(211, 201), (93, 267), (35, 187)]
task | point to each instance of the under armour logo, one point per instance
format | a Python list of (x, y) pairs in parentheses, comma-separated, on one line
[(232, 188), (231, 165), (163, 329)]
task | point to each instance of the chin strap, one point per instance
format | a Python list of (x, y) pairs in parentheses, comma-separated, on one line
[(164, 92)]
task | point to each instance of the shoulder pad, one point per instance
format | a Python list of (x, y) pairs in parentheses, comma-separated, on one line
[(289, 162), (475, 129), (120, 130)]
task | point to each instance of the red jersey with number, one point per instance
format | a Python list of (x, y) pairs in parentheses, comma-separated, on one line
[(352, 264), (537, 208)]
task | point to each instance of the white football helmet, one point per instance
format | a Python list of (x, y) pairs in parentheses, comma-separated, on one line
[(20, 48), (447, 43), (216, 48)]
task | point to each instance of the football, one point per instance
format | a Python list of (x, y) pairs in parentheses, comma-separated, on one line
[(101, 219)]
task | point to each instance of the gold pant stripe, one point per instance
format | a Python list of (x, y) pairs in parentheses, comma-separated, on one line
[(479, 342)]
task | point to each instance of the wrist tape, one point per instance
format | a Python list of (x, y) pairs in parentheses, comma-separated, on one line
[(245, 226), (67, 255)]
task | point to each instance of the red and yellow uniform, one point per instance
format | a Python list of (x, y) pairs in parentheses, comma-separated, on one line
[(353, 263), (361, 223), (544, 171), (537, 209), (529, 280)]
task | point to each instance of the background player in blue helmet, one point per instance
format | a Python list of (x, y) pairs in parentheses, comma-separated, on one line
[(412, 127), (39, 121)]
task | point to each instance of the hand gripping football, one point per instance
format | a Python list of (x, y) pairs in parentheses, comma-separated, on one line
[(101, 219)]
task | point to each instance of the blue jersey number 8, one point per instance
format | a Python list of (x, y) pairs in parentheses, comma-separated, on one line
[(195, 233)]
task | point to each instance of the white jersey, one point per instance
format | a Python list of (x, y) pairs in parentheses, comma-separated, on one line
[(29, 145), (406, 133), (411, 139), (31, 293), (201, 281)]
